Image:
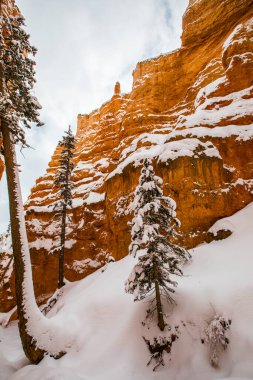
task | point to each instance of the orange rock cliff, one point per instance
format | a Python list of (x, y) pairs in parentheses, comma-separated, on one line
[(191, 112)]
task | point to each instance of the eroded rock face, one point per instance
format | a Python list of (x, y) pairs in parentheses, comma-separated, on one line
[(203, 19), (191, 112)]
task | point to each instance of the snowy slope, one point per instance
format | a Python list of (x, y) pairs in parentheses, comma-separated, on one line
[(106, 323)]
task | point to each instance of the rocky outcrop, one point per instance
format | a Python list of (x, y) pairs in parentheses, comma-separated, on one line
[(191, 112)]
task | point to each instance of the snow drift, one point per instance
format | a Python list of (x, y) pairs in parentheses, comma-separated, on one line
[(106, 323)]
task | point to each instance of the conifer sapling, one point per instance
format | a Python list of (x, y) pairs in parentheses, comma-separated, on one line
[(153, 227), (64, 183)]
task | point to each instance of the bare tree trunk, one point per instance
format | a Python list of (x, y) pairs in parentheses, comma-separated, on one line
[(18, 233), (161, 323), (61, 256)]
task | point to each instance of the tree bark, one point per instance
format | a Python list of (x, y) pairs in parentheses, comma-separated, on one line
[(161, 323), (17, 225), (61, 256)]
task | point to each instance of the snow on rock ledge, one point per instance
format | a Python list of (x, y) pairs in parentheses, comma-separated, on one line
[(166, 152)]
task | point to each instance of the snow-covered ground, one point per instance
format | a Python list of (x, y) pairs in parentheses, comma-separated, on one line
[(106, 323)]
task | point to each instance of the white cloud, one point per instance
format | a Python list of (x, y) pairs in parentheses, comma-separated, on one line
[(84, 47)]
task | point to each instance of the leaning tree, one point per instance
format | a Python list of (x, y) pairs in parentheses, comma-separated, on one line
[(153, 227), (64, 183), (18, 110)]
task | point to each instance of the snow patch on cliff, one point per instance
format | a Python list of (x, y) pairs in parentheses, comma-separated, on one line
[(94, 198), (164, 151), (240, 132), (211, 110), (239, 35)]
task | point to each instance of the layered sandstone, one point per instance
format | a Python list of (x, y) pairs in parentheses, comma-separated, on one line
[(191, 112)]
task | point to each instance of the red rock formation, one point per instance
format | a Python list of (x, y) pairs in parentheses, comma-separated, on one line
[(191, 111)]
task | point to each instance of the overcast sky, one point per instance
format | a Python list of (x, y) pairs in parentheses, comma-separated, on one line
[(84, 47)]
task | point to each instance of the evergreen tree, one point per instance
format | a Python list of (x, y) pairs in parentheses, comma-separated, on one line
[(18, 109), (153, 226), (64, 183)]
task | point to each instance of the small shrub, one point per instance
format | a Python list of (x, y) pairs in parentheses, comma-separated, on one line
[(216, 337)]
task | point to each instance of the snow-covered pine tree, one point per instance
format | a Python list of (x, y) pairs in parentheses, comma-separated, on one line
[(64, 183), (153, 226), (18, 109)]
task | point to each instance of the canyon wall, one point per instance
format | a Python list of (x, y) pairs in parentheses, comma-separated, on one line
[(190, 111)]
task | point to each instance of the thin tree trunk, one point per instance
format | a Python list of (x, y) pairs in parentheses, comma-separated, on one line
[(19, 243), (161, 323), (61, 256)]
